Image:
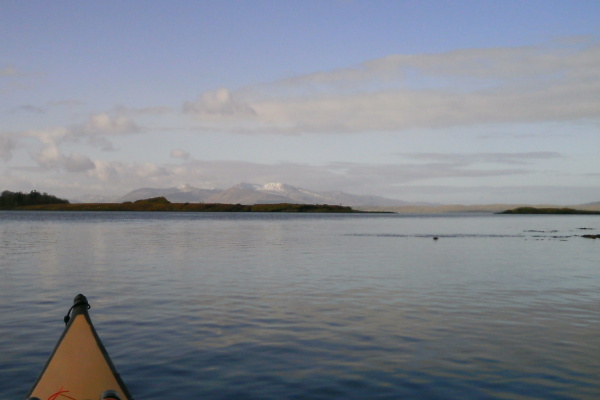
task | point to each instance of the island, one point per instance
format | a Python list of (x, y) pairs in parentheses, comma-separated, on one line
[(162, 204), (535, 210), (11, 200)]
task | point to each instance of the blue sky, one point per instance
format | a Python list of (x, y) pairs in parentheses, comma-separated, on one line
[(446, 101)]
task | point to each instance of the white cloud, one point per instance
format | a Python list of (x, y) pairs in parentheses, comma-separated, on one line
[(150, 170), (96, 130), (49, 136), (181, 154), (105, 171), (51, 158), (218, 103), (459, 88), (97, 125), (106, 125), (119, 177)]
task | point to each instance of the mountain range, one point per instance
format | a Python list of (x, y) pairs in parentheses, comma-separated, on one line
[(248, 193)]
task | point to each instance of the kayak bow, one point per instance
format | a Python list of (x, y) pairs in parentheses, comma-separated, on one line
[(79, 367)]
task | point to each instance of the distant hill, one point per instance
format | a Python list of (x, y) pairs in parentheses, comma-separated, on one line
[(595, 203), (179, 194), (245, 193), (248, 193), (551, 210)]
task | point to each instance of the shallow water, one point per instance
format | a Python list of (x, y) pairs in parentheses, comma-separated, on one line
[(296, 306)]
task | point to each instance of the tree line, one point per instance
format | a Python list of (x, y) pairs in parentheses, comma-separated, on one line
[(10, 200)]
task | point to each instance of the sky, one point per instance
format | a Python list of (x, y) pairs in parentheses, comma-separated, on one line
[(455, 102)]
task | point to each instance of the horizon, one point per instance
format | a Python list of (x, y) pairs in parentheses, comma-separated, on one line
[(420, 101), (184, 188)]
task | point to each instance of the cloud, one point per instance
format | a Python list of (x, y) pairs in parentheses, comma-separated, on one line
[(9, 70), (106, 171), (123, 110), (128, 175), (51, 158), (100, 142), (504, 194), (66, 103), (96, 130), (491, 158), (358, 178), (372, 175), (403, 181), (150, 170), (181, 154), (106, 125), (464, 69), (7, 145), (28, 108), (77, 163), (49, 136), (556, 82), (218, 103), (115, 178)]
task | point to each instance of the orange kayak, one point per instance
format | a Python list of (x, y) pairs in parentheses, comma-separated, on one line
[(79, 367)]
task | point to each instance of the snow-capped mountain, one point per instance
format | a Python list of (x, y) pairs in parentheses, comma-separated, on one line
[(245, 193), (249, 193)]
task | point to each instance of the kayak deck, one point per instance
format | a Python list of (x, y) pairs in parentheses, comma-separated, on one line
[(79, 368)]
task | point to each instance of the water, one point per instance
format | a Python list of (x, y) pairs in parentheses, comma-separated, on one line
[(284, 306)]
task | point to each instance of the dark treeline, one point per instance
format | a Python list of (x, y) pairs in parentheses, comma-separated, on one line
[(10, 200), (162, 204)]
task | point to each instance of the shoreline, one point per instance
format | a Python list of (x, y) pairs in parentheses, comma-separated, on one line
[(163, 205)]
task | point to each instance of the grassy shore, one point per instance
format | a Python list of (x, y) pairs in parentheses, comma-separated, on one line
[(162, 204), (473, 208), (534, 210)]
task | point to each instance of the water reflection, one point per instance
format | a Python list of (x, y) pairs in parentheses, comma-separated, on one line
[(317, 307)]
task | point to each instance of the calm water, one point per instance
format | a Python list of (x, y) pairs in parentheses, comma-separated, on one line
[(283, 306)]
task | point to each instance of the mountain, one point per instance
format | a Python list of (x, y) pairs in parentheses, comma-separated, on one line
[(270, 193), (92, 198), (595, 203), (246, 193), (179, 194)]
